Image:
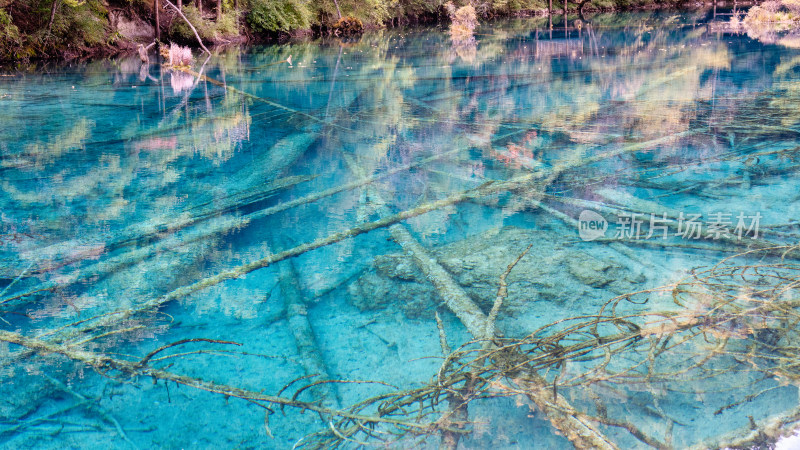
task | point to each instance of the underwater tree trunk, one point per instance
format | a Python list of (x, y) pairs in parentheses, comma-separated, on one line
[(108, 320), (102, 362), (512, 184), (451, 293), (303, 333), (556, 408), (206, 224)]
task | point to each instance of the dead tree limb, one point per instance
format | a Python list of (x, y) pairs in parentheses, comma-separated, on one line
[(194, 30)]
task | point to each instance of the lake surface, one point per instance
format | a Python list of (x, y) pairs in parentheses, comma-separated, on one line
[(608, 207)]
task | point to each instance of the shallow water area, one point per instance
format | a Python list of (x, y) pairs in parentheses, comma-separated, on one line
[(545, 237)]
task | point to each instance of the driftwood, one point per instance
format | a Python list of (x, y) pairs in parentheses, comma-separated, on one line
[(237, 272), (454, 297), (93, 406), (481, 191), (143, 52), (306, 342), (107, 320), (513, 366), (644, 207), (579, 431), (106, 364), (209, 221)]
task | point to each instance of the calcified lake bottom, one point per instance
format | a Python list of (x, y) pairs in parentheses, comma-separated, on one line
[(582, 236)]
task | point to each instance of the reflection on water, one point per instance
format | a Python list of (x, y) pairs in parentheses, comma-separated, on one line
[(166, 237)]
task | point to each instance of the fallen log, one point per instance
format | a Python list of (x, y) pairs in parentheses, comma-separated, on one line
[(485, 189), (580, 432), (119, 316)]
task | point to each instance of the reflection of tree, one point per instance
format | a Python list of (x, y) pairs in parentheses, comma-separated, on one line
[(92, 175), (462, 28)]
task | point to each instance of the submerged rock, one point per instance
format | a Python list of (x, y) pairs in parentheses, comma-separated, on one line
[(16, 402), (591, 271), (551, 271)]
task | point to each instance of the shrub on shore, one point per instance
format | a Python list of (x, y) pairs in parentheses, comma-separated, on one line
[(279, 15), (463, 21), (227, 25), (772, 22), (774, 11), (46, 28), (10, 39)]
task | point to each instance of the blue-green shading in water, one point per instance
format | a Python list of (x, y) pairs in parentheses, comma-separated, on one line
[(172, 240)]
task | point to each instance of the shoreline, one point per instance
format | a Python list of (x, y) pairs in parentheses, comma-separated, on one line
[(126, 34)]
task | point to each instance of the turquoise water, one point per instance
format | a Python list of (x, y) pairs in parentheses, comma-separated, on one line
[(144, 206)]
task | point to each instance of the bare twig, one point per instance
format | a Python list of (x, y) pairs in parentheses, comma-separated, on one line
[(502, 293)]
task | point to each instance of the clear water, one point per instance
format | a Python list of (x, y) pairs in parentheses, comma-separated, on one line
[(123, 183)]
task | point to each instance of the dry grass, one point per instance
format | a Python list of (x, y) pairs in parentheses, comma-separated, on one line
[(178, 55)]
